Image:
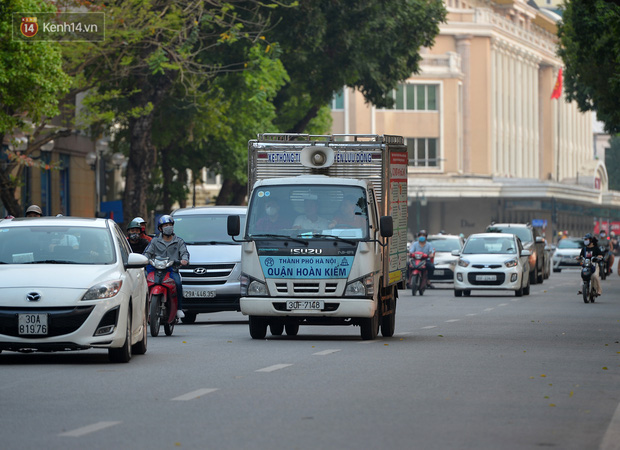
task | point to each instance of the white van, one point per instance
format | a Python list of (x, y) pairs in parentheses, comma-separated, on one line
[(211, 280)]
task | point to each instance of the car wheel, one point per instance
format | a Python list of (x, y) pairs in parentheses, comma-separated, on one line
[(122, 354), (467, 292), (541, 275), (276, 328), (458, 293), (557, 270), (291, 328), (534, 276), (189, 317), (519, 292), (140, 347), (526, 289), (258, 327)]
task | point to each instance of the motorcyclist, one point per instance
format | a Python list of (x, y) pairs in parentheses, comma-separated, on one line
[(590, 251), (142, 223), (137, 243), (605, 241), (168, 244), (422, 245)]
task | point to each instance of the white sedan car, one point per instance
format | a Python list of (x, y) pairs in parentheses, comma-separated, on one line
[(69, 283), (492, 261)]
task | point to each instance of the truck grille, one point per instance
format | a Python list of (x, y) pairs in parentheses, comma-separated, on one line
[(305, 288)]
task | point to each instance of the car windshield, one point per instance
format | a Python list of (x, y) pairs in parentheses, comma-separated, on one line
[(490, 245), (204, 229), (56, 245), (570, 243), (445, 245), (308, 212), (523, 233)]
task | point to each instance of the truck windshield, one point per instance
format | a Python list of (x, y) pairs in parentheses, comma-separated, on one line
[(308, 211)]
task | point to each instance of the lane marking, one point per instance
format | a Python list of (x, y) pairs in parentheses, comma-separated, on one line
[(404, 333), (368, 341), (194, 394), (209, 326), (273, 368), (489, 309), (452, 320), (471, 315), (429, 327), (329, 351), (611, 440), (503, 304), (88, 429)]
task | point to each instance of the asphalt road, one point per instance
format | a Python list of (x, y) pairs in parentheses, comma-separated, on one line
[(488, 371)]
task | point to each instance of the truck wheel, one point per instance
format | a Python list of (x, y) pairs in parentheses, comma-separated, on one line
[(370, 327), (388, 323), (291, 329), (276, 328), (258, 327)]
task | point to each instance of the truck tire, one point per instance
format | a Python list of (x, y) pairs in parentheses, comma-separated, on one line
[(276, 328), (370, 327), (388, 322), (291, 329), (258, 327)]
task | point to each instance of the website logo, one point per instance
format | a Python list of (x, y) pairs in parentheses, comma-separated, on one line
[(29, 26)]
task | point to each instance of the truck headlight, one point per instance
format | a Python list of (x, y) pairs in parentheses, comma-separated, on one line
[(511, 263), (257, 289), (362, 287)]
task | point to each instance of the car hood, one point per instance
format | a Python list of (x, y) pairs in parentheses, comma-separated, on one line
[(445, 258), (66, 276), (200, 254), (497, 258), (567, 252)]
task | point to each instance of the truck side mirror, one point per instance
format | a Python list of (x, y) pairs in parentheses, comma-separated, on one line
[(386, 224), (234, 225)]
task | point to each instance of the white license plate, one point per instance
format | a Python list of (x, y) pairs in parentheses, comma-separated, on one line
[(486, 277), (439, 272), (305, 304), (198, 293), (32, 323)]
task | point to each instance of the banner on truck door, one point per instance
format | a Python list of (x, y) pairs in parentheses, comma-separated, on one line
[(398, 211)]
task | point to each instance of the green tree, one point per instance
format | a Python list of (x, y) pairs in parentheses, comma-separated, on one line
[(31, 83), (590, 48), (612, 163)]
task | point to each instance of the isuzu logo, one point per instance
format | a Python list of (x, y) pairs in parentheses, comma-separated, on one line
[(306, 251), (33, 297), (200, 271)]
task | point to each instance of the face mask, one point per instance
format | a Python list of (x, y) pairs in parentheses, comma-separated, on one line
[(603, 235), (167, 230), (271, 211), (422, 239), (134, 236), (586, 241)]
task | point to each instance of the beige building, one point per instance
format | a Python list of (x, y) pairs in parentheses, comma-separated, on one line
[(486, 140)]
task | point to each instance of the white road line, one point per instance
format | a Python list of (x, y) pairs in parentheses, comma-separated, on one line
[(194, 394), (329, 351), (489, 309), (404, 333), (514, 300), (611, 440), (209, 326), (88, 429), (273, 368), (429, 327), (503, 304), (471, 315), (452, 320), (369, 341)]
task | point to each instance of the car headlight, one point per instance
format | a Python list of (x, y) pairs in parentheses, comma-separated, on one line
[(362, 287), (511, 263), (463, 263), (103, 290)]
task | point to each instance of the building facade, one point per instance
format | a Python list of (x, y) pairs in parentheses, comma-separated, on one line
[(486, 140)]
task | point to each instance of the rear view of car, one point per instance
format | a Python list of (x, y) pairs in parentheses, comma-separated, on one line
[(445, 261), (211, 280), (71, 284)]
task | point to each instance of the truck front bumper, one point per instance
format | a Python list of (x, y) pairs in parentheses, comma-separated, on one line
[(333, 307)]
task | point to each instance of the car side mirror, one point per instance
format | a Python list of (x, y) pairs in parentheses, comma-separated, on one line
[(456, 253), (539, 239), (525, 253), (234, 225), (136, 261), (386, 224)]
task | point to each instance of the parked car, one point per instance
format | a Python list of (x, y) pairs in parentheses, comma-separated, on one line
[(445, 261), (532, 241), (69, 283), (211, 280), (566, 253), (492, 261)]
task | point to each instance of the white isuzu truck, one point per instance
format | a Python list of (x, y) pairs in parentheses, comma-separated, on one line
[(325, 238)]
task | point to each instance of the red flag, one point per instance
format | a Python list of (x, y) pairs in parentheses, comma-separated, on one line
[(557, 89)]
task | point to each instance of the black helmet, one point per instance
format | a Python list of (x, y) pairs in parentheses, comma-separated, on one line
[(587, 236), (422, 233)]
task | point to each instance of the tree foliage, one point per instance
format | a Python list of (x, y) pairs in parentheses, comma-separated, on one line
[(590, 48)]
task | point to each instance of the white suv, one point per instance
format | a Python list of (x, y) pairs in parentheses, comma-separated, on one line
[(211, 280)]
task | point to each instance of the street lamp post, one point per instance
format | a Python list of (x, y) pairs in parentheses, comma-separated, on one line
[(94, 160), (420, 201)]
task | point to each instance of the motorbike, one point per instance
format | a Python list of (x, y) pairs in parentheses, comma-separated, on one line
[(418, 274), (162, 296), (604, 263), (587, 270)]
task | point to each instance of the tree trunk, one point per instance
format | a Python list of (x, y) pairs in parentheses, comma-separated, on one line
[(300, 126), (232, 193), (7, 194)]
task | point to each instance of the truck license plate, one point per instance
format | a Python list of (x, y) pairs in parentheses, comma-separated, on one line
[(305, 304), (198, 293), (32, 323), (486, 277)]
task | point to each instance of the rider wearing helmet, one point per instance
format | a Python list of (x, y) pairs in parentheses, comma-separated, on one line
[(168, 244), (592, 250), (137, 243), (34, 211), (605, 241), (142, 223), (422, 245)]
